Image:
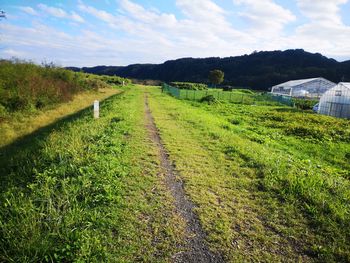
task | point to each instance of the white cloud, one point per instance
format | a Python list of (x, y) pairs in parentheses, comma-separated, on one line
[(265, 16), (100, 14), (57, 46), (12, 53), (138, 12), (322, 11), (132, 33), (325, 32), (60, 13), (204, 30), (57, 12), (28, 10), (201, 10), (74, 16)]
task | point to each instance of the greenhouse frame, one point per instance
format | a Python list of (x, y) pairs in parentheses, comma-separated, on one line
[(336, 101), (303, 88)]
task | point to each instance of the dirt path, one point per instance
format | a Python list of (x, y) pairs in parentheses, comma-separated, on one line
[(196, 250)]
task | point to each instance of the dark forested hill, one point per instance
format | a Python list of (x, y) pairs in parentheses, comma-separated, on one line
[(259, 70)]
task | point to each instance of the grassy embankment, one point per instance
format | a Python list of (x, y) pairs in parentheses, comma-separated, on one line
[(88, 190), (271, 183), (33, 96), (21, 124)]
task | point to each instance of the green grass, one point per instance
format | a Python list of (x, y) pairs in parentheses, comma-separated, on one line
[(189, 85), (238, 96), (26, 87), (271, 183), (87, 190), (19, 124)]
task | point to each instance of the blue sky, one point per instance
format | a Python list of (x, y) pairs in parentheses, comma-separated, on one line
[(121, 32)]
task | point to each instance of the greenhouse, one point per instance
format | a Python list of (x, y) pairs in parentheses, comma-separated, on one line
[(303, 88), (336, 101)]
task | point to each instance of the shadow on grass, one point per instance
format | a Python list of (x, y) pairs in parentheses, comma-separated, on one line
[(17, 157)]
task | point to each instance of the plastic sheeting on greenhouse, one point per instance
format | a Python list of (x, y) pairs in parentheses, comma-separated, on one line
[(336, 101), (303, 88)]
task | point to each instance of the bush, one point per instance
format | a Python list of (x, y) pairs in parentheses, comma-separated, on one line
[(25, 86), (304, 104), (189, 85), (3, 112), (96, 84), (245, 91), (210, 99), (115, 80)]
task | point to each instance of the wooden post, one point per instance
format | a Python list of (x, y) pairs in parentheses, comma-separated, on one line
[(96, 109)]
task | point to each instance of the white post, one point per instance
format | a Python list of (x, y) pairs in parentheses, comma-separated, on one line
[(123, 83), (96, 109)]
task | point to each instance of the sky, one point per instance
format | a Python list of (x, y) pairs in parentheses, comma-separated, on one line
[(122, 32)]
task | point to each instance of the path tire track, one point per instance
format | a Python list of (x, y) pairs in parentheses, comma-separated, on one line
[(195, 250)]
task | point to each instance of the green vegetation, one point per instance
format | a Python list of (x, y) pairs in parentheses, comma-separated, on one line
[(304, 104), (208, 99), (87, 190), (270, 183), (246, 91), (189, 86), (26, 87), (216, 77), (258, 71), (18, 124), (239, 96), (113, 80)]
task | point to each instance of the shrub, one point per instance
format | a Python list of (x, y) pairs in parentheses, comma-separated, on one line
[(210, 99), (115, 80), (3, 112), (235, 121), (189, 85), (25, 86), (96, 84), (305, 132), (304, 104), (245, 91)]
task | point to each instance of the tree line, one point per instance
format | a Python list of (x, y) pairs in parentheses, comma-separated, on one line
[(259, 70)]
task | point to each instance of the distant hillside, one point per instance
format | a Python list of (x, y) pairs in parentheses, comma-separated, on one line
[(259, 70)]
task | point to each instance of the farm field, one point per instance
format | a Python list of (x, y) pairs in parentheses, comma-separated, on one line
[(268, 184)]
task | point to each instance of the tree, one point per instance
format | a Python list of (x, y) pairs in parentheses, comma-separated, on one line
[(216, 76)]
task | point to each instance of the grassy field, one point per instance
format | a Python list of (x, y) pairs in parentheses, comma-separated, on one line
[(87, 190), (270, 184)]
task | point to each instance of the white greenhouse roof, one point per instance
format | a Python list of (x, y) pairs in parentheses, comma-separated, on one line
[(345, 84), (293, 83)]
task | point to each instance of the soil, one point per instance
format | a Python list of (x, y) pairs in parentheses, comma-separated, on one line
[(195, 249)]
